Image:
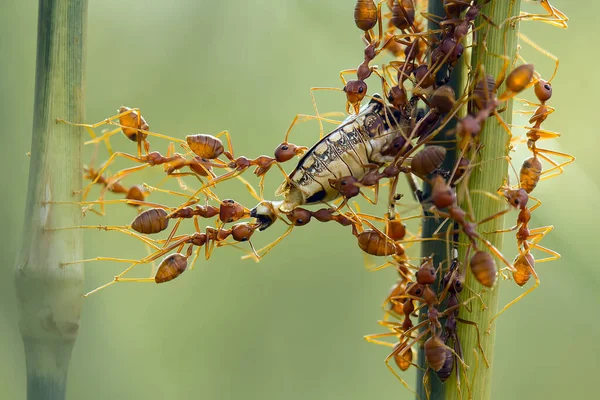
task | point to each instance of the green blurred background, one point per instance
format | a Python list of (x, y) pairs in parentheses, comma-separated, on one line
[(290, 327)]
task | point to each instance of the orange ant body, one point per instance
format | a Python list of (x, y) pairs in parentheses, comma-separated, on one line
[(531, 170), (135, 192), (131, 123), (527, 240)]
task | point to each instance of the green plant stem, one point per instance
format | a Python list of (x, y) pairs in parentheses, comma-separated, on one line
[(475, 382), (488, 178), (50, 296)]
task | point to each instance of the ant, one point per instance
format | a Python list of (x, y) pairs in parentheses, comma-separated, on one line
[(266, 214), (173, 265), (527, 240), (531, 170), (131, 123), (436, 352)]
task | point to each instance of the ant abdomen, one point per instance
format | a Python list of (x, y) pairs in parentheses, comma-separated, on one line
[(435, 352), (151, 221), (205, 146), (428, 160), (170, 268), (484, 268), (524, 264), (365, 14)]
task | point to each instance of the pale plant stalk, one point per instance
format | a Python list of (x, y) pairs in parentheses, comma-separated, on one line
[(50, 296)]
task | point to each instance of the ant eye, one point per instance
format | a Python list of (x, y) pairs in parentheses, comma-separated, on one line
[(344, 89), (284, 147), (360, 90), (547, 86)]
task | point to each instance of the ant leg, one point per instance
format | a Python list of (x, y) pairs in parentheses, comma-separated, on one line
[(554, 17), (556, 167), (314, 103), (137, 280), (263, 251), (123, 173), (544, 52), (537, 235), (249, 254), (387, 364), (108, 121), (194, 259), (374, 338), (64, 264), (299, 118), (104, 137), (497, 253), (464, 321), (494, 216), (370, 268), (553, 254), (229, 175), (209, 246), (173, 231), (549, 110), (108, 162), (542, 133), (375, 193), (167, 191), (114, 201), (123, 229), (512, 303)]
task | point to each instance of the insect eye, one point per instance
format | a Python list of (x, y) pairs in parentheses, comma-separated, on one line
[(360, 90), (284, 147)]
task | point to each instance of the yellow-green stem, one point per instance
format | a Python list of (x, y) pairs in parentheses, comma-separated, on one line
[(49, 296), (495, 140), (490, 43)]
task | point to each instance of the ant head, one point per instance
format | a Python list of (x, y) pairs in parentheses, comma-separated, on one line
[(286, 151), (299, 216), (517, 198), (543, 90), (355, 91), (346, 185), (442, 194)]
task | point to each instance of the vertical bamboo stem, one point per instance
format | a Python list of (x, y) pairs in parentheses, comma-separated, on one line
[(49, 296)]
